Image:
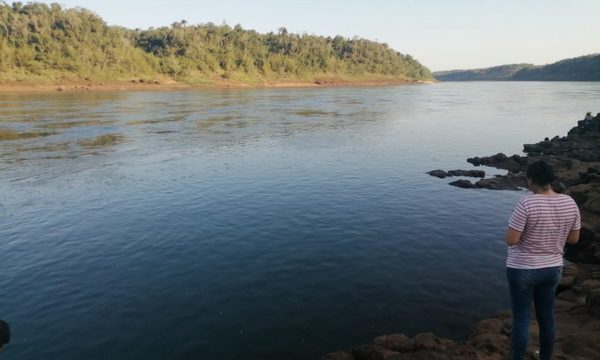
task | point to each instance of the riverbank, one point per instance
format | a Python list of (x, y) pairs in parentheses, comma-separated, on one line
[(576, 159), (169, 84)]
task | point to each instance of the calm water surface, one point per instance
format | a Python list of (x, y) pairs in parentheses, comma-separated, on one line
[(257, 224)]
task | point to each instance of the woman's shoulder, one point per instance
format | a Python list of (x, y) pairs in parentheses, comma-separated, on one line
[(567, 199), (534, 198)]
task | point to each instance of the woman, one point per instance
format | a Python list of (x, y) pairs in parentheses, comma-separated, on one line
[(540, 225)]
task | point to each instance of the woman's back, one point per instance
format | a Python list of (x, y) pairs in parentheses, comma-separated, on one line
[(545, 222)]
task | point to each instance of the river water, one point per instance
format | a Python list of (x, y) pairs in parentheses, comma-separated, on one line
[(257, 224)]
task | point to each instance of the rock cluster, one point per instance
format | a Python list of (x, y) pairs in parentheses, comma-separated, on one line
[(576, 160), (443, 174)]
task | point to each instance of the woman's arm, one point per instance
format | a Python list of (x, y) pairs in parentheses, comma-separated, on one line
[(573, 237), (512, 236)]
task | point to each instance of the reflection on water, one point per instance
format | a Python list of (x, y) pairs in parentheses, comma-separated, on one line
[(288, 222)]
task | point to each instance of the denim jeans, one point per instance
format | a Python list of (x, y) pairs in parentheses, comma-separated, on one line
[(537, 286)]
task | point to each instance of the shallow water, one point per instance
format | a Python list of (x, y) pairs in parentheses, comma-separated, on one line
[(257, 224)]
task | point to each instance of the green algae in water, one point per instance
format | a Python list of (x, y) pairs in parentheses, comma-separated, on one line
[(7, 134), (102, 141)]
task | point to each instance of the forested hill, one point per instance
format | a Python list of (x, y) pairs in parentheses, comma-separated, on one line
[(503, 72), (583, 68), (40, 42)]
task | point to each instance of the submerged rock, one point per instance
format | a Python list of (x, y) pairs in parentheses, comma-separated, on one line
[(465, 184), (438, 173)]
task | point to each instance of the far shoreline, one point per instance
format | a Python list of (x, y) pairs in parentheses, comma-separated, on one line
[(141, 84)]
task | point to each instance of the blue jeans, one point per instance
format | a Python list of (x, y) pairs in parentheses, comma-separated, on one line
[(537, 286)]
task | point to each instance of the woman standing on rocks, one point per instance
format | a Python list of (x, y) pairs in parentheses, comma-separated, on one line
[(538, 228)]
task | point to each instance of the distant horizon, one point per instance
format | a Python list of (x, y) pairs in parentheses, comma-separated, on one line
[(464, 35)]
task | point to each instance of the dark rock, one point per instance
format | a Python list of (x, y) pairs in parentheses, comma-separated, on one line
[(499, 161), (372, 352), (573, 295), (587, 250), (338, 355), (428, 341), (423, 355), (494, 343), (465, 184), (566, 283), (438, 173), (500, 183), (470, 173), (558, 186), (487, 326), (533, 149), (592, 302), (593, 203), (521, 160), (579, 193), (396, 342)]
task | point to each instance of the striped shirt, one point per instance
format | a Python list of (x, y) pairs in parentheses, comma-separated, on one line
[(545, 222)]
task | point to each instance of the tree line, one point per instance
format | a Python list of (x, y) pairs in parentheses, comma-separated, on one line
[(49, 42), (582, 68)]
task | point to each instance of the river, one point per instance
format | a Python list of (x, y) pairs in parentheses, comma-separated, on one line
[(257, 223)]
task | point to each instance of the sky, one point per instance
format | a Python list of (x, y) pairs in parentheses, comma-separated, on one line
[(441, 34)]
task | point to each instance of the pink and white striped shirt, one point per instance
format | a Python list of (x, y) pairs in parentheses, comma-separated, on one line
[(545, 222)]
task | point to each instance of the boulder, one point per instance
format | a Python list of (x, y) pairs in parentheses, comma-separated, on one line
[(494, 343), (470, 173), (487, 326), (592, 302), (465, 184), (593, 203), (438, 173), (338, 355), (396, 342), (428, 341), (500, 183)]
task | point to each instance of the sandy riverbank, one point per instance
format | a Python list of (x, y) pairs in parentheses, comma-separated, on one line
[(162, 85)]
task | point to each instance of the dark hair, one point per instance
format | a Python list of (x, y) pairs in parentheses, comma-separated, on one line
[(540, 173), (4, 333)]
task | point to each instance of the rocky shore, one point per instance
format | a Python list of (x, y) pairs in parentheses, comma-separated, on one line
[(576, 160)]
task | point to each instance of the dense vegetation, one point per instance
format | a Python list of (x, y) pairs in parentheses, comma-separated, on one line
[(583, 68), (503, 72), (49, 43)]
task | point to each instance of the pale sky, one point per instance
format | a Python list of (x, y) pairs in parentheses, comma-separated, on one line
[(442, 35)]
